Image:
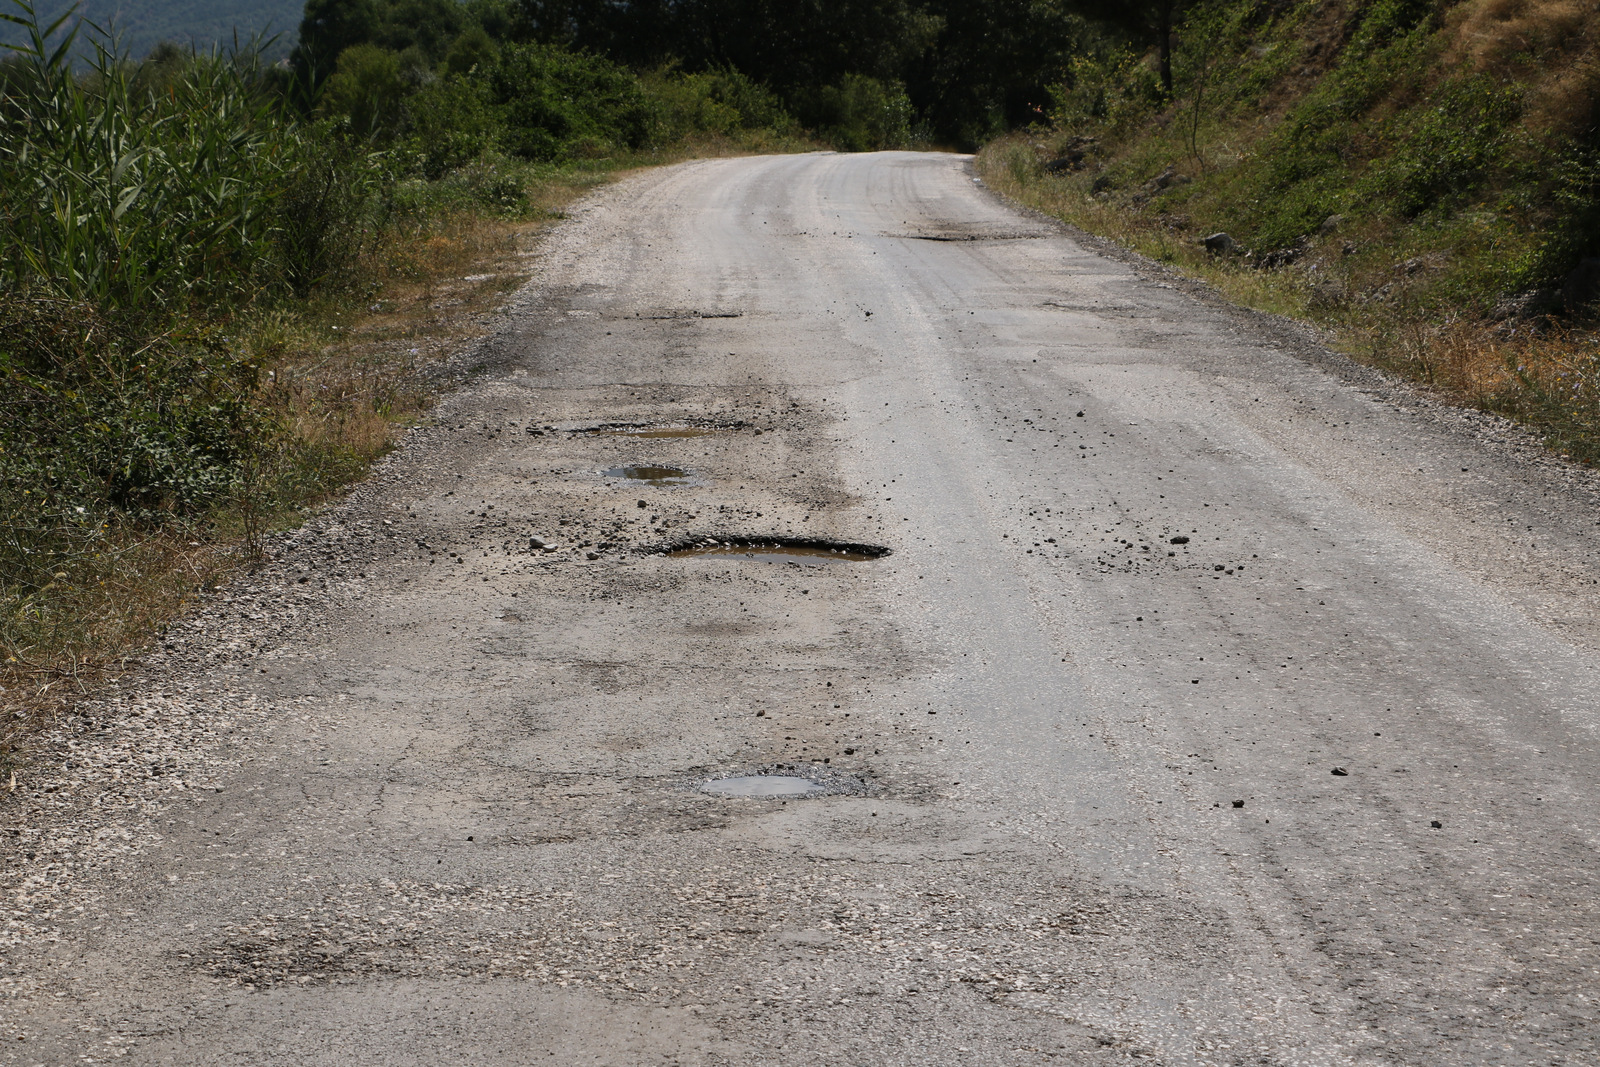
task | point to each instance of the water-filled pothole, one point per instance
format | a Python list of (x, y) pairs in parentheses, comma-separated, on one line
[(763, 785), (807, 552), (653, 475)]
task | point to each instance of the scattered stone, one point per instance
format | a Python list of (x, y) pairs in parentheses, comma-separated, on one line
[(1070, 156), (1162, 180), (1238, 803), (538, 544), (1220, 244), (1281, 257), (1526, 305), (1436, 824), (1340, 772), (1180, 540), (1330, 224)]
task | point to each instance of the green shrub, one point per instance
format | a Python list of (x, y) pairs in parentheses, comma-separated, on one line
[(452, 122), (1449, 147), (97, 419), (714, 101), (366, 90), (328, 207), (557, 105), (859, 114)]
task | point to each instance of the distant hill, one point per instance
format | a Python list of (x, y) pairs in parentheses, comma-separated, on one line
[(141, 24)]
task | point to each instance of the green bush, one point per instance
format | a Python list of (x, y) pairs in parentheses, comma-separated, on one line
[(366, 90), (1450, 147), (860, 114), (557, 105), (97, 419), (452, 122), (330, 204), (715, 101)]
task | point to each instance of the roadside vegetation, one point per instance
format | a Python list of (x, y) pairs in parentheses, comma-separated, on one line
[(1421, 178), (225, 285)]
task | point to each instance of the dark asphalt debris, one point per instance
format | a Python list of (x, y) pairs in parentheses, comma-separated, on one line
[(1238, 803), (1180, 540)]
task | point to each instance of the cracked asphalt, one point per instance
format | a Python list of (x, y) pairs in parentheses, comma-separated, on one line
[(1219, 702)]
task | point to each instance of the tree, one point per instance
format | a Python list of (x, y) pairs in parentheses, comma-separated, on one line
[(1150, 21)]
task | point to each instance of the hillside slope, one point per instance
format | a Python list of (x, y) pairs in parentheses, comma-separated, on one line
[(1422, 177)]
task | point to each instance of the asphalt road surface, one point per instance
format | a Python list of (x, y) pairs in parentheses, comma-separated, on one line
[(1217, 703)]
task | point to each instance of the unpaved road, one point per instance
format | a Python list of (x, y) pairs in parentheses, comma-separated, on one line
[(418, 794)]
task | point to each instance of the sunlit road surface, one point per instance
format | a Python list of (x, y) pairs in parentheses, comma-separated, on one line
[(1217, 703)]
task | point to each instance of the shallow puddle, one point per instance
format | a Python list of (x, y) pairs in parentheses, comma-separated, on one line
[(805, 553), (653, 475), (764, 785)]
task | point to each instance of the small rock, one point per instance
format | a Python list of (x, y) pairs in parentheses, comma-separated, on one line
[(1238, 803), (1180, 540), (1220, 244), (1340, 772), (1281, 257), (592, 555), (1161, 181), (535, 544), (642, 504), (1436, 824)]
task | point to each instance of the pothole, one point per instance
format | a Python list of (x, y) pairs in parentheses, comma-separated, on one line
[(670, 314), (654, 475), (785, 781), (963, 234), (806, 552), (763, 785), (681, 428)]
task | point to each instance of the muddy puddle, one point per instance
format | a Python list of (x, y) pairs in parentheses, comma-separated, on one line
[(647, 475), (764, 785), (803, 552)]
